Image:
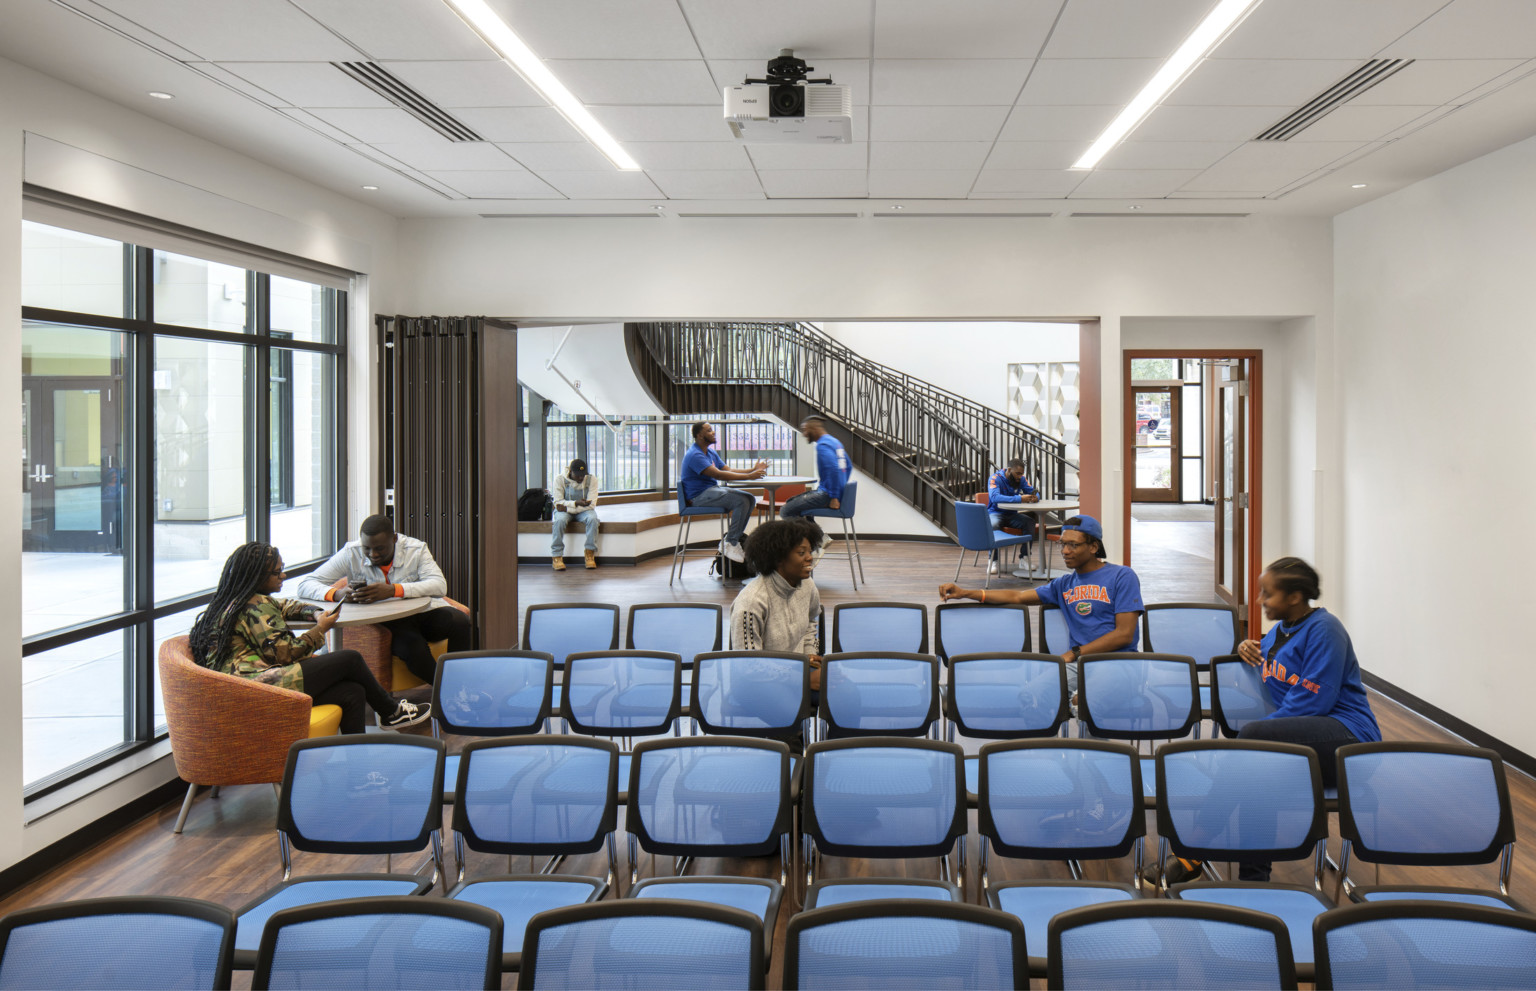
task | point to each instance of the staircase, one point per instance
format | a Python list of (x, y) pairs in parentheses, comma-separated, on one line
[(927, 444)]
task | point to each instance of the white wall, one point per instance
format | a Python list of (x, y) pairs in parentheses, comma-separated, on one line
[(1436, 346), (594, 356)]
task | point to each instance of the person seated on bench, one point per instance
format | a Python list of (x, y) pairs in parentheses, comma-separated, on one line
[(703, 484), (575, 499)]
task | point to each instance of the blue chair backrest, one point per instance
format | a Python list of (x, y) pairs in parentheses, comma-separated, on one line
[(879, 693), (1406, 803), (899, 626), (362, 794), (1167, 943), (848, 503), (619, 945), (1006, 696), (417, 942), (1059, 799), (622, 692), (1138, 696), (1424, 945), (493, 692), (978, 628), (751, 693), (1054, 638), (684, 628), (1238, 694), (1200, 630), (537, 794), (709, 796), (122, 942), (905, 943), (892, 798), (562, 628), (973, 527), (1218, 798)]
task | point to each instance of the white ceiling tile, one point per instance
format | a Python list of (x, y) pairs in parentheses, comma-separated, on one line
[(1087, 82), (926, 155), (596, 29), (1031, 155), (498, 185), (964, 29), (791, 157), (242, 85), (1195, 155), (665, 123), (637, 82), (1143, 184), (815, 184), (1282, 155), (1250, 182), (815, 29), (1218, 82), (518, 123), (1356, 123), (468, 84), (609, 185), (308, 84), (1475, 29), (997, 183), (324, 127), (684, 156), (709, 185), (1207, 123), (1436, 82), (1099, 29), (936, 123), (1057, 123), (1327, 29), (557, 156), (438, 154), (249, 31), (947, 82), (400, 29), (925, 184), (853, 73), (377, 126)]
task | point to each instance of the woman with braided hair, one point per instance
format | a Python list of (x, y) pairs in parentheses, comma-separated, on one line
[(244, 632)]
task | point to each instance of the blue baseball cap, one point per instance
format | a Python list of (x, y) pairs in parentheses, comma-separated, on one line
[(1087, 525)]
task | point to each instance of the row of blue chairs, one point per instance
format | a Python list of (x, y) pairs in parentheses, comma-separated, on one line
[(398, 943)]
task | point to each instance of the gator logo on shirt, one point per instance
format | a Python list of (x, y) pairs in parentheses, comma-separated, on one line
[(1083, 608)]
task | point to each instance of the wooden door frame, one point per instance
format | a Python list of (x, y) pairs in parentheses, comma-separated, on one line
[(1255, 452)]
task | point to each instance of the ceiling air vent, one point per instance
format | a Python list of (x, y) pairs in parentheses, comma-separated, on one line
[(1335, 96), (382, 82)]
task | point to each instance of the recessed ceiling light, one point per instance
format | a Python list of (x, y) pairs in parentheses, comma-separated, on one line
[(898, 206), (1357, 185), (1133, 207), (161, 96), (371, 188), (656, 206)]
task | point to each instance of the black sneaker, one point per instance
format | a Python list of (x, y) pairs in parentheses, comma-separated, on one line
[(1179, 871), (408, 714)]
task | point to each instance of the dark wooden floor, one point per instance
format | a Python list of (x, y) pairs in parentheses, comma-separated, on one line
[(228, 852)]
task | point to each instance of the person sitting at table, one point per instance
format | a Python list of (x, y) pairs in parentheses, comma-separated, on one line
[(244, 632), (577, 501), (702, 484), (780, 609), (382, 564), (832, 470)]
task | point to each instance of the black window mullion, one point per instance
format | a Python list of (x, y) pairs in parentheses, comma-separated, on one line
[(259, 400), (139, 515)]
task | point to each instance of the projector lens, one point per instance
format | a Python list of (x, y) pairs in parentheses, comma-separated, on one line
[(786, 101)]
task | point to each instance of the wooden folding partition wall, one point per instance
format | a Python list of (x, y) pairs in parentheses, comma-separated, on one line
[(448, 404)]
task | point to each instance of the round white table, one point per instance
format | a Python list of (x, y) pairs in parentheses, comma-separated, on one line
[(1038, 511), (772, 483), (365, 613)]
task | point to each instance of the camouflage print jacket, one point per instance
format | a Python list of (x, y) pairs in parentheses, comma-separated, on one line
[(262, 648)]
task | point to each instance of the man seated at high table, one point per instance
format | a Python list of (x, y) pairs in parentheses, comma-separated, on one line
[(1008, 486), (703, 484), (382, 564)]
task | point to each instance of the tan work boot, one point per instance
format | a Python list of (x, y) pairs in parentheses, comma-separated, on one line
[(591, 560), (557, 563)]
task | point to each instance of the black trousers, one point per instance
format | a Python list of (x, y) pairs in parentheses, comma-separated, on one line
[(413, 633), (341, 677)]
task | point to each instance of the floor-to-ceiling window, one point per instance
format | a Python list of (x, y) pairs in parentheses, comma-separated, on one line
[(173, 407)]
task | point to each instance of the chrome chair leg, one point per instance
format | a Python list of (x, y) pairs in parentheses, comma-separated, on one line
[(186, 806)]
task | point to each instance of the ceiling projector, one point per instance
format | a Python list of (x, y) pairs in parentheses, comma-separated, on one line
[(788, 108)]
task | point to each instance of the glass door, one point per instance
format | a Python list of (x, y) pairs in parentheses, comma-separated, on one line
[(1232, 474), (1159, 466), (72, 469)]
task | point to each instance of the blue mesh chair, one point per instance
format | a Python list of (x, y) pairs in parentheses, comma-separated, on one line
[(684, 628), (711, 797), (1202, 630), (900, 626), (1131, 696), (1054, 638), (360, 943), (883, 798), (1421, 944), (490, 693), (643, 943), (904, 943), (564, 628), (844, 511), (1004, 696), (1425, 804), (622, 693), (1238, 694), (879, 693), (979, 628), (1154, 943), (139, 941), (752, 693), (535, 796), (356, 795), (973, 532), (1058, 800), (1246, 800), (685, 517)]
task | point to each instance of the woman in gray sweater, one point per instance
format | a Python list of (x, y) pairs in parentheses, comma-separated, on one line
[(780, 608)]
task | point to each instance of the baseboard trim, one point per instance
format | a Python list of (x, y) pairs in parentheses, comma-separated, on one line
[(1512, 756)]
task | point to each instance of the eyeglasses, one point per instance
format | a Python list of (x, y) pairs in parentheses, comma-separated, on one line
[(1074, 544)]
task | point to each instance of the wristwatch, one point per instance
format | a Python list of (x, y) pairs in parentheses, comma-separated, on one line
[(1077, 652)]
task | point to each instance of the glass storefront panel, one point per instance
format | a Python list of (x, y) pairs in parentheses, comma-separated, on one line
[(72, 703), (191, 292), (67, 270), (299, 310), (302, 451)]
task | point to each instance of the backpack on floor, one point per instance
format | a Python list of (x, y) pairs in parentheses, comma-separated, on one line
[(535, 504), (724, 568)]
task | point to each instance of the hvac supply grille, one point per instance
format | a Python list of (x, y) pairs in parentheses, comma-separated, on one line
[(1368, 75), (393, 89)]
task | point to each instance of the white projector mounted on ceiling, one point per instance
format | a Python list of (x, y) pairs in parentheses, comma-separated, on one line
[(788, 108)]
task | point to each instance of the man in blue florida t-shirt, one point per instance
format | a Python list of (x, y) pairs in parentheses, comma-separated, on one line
[(832, 470), (701, 485)]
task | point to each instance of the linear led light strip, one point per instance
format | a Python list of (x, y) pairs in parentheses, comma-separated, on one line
[(1212, 31), (478, 15)]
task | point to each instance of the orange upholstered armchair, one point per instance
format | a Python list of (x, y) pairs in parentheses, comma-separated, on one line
[(231, 731)]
